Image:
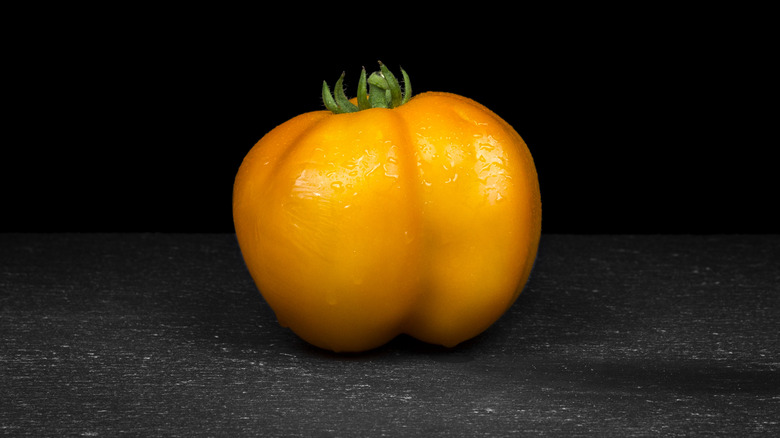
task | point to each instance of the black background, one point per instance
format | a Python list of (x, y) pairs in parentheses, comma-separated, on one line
[(640, 121)]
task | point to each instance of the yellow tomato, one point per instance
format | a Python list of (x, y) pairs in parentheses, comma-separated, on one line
[(421, 219)]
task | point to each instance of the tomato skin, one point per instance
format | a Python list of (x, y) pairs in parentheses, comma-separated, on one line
[(423, 219)]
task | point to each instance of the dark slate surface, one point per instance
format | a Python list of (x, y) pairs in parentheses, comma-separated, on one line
[(166, 335)]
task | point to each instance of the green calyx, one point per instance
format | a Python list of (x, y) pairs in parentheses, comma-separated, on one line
[(380, 90)]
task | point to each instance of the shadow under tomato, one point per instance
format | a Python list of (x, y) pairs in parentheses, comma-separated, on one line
[(404, 348)]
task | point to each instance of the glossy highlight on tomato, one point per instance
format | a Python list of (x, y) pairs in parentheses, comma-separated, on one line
[(416, 215)]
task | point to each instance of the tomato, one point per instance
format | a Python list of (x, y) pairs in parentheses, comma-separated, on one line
[(418, 216)]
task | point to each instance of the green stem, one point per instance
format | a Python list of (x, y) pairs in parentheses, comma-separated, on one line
[(392, 85), (384, 91), (377, 91), (341, 98), (362, 96)]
